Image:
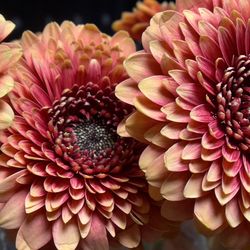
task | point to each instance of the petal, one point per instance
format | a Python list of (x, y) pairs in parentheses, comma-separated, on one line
[(201, 113), (173, 187), (206, 208), (6, 114), (137, 124), (6, 85), (233, 213), (191, 151), (154, 90), (65, 236), (130, 237), (127, 91), (97, 237), (193, 188), (148, 108), (34, 233), (13, 213), (141, 65), (148, 155), (175, 113), (172, 158)]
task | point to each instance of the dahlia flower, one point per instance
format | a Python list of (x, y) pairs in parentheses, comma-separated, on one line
[(9, 55), (137, 21), (190, 87), (66, 176)]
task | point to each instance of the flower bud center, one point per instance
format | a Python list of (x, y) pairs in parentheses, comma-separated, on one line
[(233, 99)]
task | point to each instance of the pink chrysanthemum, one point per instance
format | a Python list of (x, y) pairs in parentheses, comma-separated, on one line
[(9, 55), (137, 21), (66, 176), (191, 88)]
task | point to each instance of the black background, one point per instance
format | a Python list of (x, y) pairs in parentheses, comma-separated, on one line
[(36, 14)]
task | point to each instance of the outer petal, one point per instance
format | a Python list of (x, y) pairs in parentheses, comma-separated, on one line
[(34, 233), (6, 115), (13, 213), (66, 236), (97, 237)]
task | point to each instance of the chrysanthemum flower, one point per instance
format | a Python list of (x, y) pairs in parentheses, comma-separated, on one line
[(9, 55), (137, 21), (66, 176), (191, 89)]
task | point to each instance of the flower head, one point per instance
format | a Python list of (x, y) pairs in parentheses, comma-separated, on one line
[(76, 182), (9, 55), (190, 87), (137, 21)]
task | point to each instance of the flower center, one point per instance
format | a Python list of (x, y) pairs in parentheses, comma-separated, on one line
[(233, 100), (82, 130), (94, 136)]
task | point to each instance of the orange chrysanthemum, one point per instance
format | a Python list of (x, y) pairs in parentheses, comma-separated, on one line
[(9, 55), (191, 89), (66, 176), (137, 21)]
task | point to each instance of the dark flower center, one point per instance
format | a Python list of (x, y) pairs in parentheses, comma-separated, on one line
[(82, 130), (94, 136), (233, 100)]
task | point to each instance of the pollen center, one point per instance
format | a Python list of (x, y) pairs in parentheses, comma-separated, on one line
[(94, 136), (233, 100)]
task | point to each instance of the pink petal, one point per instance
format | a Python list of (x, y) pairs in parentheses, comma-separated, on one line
[(231, 169), (190, 93), (209, 142), (175, 113), (34, 233), (201, 113), (227, 44), (191, 151), (12, 214), (97, 237), (210, 155), (214, 130), (231, 155)]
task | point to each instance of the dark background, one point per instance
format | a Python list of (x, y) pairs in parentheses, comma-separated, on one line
[(36, 14)]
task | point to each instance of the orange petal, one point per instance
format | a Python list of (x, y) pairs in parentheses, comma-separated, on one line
[(65, 236), (6, 84), (141, 65), (130, 237), (127, 91), (193, 188), (6, 114), (173, 187), (206, 208)]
